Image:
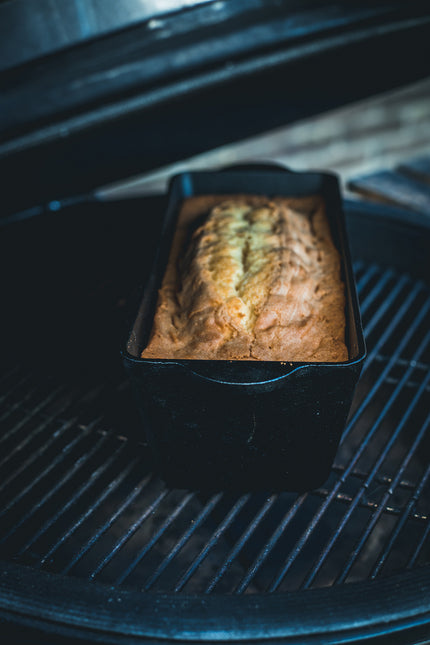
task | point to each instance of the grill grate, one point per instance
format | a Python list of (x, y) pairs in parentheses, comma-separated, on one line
[(77, 496)]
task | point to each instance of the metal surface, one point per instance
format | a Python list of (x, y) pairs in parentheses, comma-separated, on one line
[(30, 29), (88, 534), (111, 107)]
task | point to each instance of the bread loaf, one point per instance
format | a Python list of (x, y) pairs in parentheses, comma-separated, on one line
[(251, 278)]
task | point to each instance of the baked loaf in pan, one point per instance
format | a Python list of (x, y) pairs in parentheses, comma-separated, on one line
[(251, 278)]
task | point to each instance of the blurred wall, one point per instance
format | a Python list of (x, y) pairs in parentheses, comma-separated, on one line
[(372, 134)]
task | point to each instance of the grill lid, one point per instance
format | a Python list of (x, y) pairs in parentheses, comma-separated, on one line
[(158, 90)]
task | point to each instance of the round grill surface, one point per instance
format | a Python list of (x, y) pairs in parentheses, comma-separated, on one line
[(93, 545)]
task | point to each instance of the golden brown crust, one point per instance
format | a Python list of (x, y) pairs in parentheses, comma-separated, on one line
[(258, 279)]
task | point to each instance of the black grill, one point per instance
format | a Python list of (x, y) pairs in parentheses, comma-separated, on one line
[(78, 498)]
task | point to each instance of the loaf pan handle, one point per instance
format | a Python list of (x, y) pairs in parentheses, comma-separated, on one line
[(260, 167)]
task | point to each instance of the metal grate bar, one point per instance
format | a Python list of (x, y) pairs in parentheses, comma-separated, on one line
[(393, 360), (364, 279), (201, 517), (39, 429), (390, 328), (267, 549), (77, 494), (240, 543), (357, 550), (381, 479), (390, 510), (29, 437), (83, 400), (376, 290), (113, 485), (36, 455), (211, 542), (131, 531), (407, 513), (307, 533), (382, 310), (404, 362), (66, 450), (106, 525), (48, 419), (30, 415), (417, 551), (358, 266), (69, 474), (14, 387), (310, 578), (379, 461), (409, 384), (157, 535)]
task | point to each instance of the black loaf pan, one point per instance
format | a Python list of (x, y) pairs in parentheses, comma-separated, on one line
[(245, 425)]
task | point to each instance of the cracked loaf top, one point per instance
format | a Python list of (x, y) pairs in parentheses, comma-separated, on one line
[(251, 278)]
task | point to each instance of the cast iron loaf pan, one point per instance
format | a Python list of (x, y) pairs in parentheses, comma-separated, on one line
[(245, 425)]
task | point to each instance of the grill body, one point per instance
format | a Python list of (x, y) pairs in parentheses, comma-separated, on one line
[(93, 546)]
